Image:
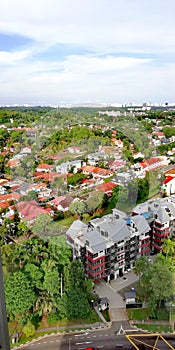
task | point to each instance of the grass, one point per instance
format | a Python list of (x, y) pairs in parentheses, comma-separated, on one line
[(105, 314), (138, 314), (68, 326), (154, 327), (67, 222)]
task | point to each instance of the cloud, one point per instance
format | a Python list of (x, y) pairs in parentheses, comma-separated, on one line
[(72, 50)]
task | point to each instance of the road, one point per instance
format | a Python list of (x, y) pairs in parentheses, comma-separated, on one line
[(106, 339)]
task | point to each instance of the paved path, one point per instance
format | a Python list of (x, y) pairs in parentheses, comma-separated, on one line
[(111, 291)]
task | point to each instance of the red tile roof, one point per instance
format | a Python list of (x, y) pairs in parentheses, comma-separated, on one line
[(44, 166), (151, 161), (30, 210), (168, 179), (106, 187), (10, 197), (95, 170)]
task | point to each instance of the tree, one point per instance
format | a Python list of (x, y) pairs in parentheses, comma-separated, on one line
[(44, 304), (20, 295), (74, 304), (42, 225), (168, 247), (155, 282), (51, 281), (94, 201), (77, 207)]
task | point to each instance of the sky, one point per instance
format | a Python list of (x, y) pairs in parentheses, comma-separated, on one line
[(63, 52)]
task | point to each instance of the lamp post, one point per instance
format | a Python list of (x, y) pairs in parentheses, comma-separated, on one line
[(4, 334)]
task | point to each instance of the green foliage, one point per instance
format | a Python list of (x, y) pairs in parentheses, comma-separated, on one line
[(77, 207), (29, 329), (75, 304), (75, 179), (169, 132), (20, 295), (155, 283)]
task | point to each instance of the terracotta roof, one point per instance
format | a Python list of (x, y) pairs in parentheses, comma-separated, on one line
[(30, 210), (3, 182), (13, 163), (48, 176), (106, 187), (171, 171), (4, 205), (95, 170), (44, 166), (9, 197), (66, 202), (151, 161), (57, 200)]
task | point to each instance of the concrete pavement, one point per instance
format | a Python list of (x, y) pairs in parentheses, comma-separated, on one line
[(111, 291)]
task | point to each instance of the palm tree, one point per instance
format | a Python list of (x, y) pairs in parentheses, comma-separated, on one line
[(44, 305)]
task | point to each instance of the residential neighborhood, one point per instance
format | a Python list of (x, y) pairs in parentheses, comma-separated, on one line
[(83, 205)]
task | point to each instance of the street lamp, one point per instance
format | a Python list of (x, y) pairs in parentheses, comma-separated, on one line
[(4, 334)]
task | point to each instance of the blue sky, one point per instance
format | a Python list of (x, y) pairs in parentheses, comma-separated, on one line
[(83, 51)]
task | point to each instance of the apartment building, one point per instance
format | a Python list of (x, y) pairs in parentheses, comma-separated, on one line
[(110, 245), (160, 214), (164, 224)]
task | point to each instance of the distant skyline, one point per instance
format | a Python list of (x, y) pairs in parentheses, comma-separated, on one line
[(82, 51)]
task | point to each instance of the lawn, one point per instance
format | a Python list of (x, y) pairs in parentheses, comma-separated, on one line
[(154, 327), (138, 314)]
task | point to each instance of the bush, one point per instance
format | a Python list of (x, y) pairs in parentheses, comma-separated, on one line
[(53, 317)]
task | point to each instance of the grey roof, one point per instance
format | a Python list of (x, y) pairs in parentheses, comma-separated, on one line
[(169, 205), (141, 208), (162, 215), (23, 188), (117, 229), (141, 223), (95, 240), (129, 295), (119, 214), (76, 227)]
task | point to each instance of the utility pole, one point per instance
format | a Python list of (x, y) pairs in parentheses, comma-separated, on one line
[(4, 333)]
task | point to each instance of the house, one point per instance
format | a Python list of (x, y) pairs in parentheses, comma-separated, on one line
[(97, 172), (119, 143), (74, 150), (168, 186), (64, 168), (28, 211), (13, 163), (106, 188), (154, 163), (93, 158), (138, 155), (130, 297), (64, 204), (44, 167), (10, 197), (115, 165), (26, 150), (122, 178)]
